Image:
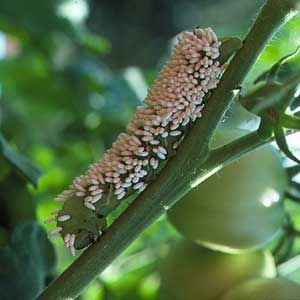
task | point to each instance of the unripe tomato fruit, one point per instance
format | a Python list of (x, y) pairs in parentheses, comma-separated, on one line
[(191, 272), (239, 208), (269, 289)]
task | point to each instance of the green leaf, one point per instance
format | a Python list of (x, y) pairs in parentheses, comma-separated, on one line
[(279, 95), (271, 74), (282, 143), (94, 42), (263, 98), (287, 249), (25, 262), (290, 122), (228, 47), (19, 162)]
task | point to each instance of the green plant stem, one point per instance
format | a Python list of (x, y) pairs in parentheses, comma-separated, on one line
[(187, 168), (227, 153)]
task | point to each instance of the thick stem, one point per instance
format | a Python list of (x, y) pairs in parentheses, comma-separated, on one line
[(181, 172)]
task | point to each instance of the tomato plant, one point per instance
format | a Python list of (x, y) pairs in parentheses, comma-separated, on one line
[(271, 289), (240, 207), (192, 272)]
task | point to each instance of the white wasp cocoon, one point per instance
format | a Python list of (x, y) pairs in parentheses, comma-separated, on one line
[(174, 102)]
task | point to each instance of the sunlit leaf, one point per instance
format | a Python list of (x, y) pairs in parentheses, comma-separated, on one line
[(289, 122), (271, 74)]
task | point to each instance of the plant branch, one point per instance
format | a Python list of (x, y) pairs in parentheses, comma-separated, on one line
[(229, 152), (182, 171)]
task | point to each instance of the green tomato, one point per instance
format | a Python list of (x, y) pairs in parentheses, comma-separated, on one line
[(191, 272), (240, 207), (269, 289)]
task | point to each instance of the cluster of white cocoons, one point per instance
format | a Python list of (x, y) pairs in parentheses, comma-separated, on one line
[(173, 103)]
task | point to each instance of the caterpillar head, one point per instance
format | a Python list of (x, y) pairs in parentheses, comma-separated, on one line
[(78, 225)]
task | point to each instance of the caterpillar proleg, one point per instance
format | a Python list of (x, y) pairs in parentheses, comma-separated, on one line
[(173, 103)]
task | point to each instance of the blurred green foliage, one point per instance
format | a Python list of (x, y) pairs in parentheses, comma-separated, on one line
[(27, 262), (65, 96)]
